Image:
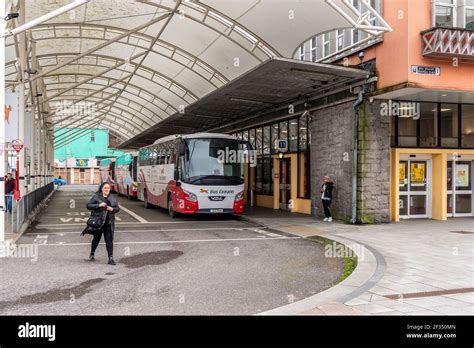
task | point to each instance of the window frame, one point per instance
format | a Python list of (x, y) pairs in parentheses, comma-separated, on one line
[(395, 143), (453, 6), (326, 42)]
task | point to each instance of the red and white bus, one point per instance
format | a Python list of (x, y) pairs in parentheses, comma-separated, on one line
[(107, 172), (195, 173), (126, 175)]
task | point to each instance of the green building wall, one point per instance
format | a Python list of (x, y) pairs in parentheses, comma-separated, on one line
[(83, 147)]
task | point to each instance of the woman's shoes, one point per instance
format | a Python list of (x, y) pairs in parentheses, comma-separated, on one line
[(111, 261), (91, 257)]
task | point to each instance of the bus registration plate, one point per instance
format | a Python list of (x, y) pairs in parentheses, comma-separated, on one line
[(217, 210)]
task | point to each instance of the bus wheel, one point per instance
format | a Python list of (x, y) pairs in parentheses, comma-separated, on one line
[(145, 200), (171, 211)]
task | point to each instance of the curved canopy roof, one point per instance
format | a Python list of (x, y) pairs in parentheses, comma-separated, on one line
[(127, 65)]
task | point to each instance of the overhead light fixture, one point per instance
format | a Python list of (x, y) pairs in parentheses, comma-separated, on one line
[(11, 16), (44, 18), (444, 95)]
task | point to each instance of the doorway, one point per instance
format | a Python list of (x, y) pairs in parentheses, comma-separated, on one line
[(82, 176), (415, 188), (459, 189), (285, 184)]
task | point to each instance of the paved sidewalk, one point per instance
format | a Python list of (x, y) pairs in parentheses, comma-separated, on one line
[(415, 267)]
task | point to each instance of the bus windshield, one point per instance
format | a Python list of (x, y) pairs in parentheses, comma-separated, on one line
[(215, 161)]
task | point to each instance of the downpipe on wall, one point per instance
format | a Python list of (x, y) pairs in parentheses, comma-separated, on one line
[(355, 140)]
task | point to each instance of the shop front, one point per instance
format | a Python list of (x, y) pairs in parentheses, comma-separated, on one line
[(432, 162), (281, 177)]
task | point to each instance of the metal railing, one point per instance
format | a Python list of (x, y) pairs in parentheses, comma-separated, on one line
[(25, 206)]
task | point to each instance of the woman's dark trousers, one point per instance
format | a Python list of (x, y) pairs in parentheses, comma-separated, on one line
[(109, 240), (326, 205)]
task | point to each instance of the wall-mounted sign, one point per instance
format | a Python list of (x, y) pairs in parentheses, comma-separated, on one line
[(462, 175), (402, 175), (282, 145), (417, 174), (82, 162), (426, 70)]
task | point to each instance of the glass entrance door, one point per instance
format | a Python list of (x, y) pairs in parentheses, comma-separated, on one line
[(414, 186), (460, 178), (285, 183)]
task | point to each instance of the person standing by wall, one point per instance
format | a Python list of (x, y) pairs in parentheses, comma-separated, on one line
[(326, 197), (103, 202), (9, 191)]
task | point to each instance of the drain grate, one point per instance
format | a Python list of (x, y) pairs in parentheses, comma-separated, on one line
[(462, 232)]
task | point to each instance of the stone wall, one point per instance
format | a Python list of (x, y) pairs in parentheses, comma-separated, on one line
[(331, 144), (331, 154), (374, 164)]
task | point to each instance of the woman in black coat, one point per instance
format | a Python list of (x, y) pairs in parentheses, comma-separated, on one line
[(103, 203), (326, 197)]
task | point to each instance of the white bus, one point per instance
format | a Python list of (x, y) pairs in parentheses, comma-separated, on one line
[(126, 175), (107, 172), (195, 173)]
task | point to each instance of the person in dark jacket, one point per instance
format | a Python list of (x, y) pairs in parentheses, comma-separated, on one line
[(326, 197), (103, 203), (9, 191)]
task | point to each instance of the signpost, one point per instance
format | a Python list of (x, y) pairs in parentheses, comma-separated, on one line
[(17, 146)]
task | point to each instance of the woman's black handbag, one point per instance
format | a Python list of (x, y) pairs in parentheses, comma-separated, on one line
[(96, 222)]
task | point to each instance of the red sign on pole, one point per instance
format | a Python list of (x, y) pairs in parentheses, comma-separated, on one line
[(17, 147)]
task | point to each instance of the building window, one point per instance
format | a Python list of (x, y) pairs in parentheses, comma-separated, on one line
[(284, 130), (92, 136), (266, 140), (445, 13), (449, 125), (267, 177), (274, 137), (303, 131), (469, 15), (293, 138), (339, 40), (407, 128), (313, 50), (467, 126), (258, 141), (326, 45), (428, 125), (355, 36), (252, 138), (301, 52)]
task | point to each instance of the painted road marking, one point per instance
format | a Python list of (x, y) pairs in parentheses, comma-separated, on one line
[(41, 239), (135, 215), (135, 223), (78, 219), (272, 235), (181, 241), (265, 233)]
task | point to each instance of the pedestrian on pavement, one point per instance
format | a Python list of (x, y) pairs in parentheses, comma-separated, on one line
[(326, 197), (102, 201), (9, 191)]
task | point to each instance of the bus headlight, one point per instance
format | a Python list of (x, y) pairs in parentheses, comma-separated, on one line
[(190, 196), (239, 196)]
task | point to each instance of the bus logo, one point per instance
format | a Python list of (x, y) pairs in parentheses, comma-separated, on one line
[(203, 190)]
